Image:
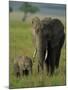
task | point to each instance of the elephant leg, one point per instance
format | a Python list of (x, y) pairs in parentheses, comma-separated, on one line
[(47, 64), (41, 61), (57, 58), (52, 61), (18, 74), (58, 52), (30, 71), (16, 70), (40, 66), (21, 72)]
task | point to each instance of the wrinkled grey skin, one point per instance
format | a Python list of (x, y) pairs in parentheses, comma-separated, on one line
[(49, 35), (22, 66)]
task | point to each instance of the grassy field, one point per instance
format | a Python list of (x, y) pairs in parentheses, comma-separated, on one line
[(21, 44)]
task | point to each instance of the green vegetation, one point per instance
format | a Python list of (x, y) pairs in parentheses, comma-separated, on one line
[(21, 44)]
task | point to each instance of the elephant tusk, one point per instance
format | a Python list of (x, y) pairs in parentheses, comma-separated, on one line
[(46, 54), (34, 54)]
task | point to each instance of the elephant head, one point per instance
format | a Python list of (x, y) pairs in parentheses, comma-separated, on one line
[(40, 34)]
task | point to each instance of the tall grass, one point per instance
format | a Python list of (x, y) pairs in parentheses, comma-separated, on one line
[(21, 44)]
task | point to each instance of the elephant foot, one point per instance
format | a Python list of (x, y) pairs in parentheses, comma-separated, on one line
[(52, 72), (18, 74), (47, 67), (57, 66)]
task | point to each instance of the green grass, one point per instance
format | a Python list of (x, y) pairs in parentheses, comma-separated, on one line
[(21, 44)]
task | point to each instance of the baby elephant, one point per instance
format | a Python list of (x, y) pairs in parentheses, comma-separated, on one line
[(22, 66)]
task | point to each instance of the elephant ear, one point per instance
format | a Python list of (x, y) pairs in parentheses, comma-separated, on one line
[(56, 29), (54, 42)]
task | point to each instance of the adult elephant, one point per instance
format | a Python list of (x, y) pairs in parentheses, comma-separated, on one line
[(49, 38)]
